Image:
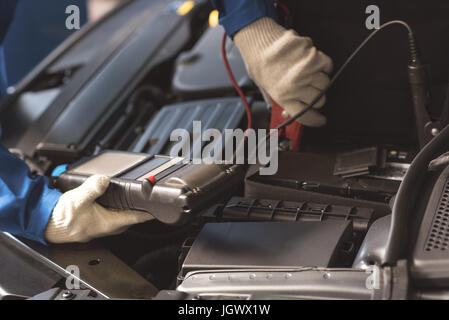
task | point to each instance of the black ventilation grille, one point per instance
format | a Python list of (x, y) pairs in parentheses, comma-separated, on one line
[(439, 233)]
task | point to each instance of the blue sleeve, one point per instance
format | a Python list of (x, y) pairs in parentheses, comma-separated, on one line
[(26, 203), (237, 14)]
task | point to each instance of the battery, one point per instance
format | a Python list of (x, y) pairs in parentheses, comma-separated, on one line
[(171, 189)]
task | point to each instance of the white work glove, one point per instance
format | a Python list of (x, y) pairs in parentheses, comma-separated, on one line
[(286, 67), (78, 218)]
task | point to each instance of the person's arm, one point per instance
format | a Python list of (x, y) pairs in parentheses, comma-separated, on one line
[(287, 67), (31, 209), (237, 14), (26, 204)]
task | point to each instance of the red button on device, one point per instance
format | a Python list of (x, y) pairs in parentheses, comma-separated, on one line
[(152, 179)]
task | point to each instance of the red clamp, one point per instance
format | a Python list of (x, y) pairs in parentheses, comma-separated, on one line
[(292, 132)]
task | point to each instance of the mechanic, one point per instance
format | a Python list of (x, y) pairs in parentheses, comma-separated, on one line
[(287, 67), (31, 209), (293, 73)]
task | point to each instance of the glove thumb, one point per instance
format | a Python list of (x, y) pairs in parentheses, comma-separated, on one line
[(92, 188), (311, 118)]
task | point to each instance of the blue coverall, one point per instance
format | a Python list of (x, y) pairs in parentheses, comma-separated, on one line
[(26, 203), (237, 14)]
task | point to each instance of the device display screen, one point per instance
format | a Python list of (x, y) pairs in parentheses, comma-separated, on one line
[(109, 163)]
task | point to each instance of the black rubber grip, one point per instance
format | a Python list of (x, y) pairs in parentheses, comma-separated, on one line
[(121, 194)]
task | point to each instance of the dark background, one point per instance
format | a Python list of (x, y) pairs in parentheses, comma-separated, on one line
[(371, 101)]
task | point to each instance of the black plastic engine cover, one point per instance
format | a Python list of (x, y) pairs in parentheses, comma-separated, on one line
[(269, 245)]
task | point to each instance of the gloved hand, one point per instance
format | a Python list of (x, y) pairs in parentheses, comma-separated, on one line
[(286, 67), (78, 218)]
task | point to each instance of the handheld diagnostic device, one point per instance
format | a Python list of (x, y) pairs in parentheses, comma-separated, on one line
[(170, 189)]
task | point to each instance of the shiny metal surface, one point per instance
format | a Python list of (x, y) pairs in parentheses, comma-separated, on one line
[(295, 283), (373, 247)]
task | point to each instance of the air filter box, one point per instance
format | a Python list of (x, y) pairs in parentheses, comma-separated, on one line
[(268, 245)]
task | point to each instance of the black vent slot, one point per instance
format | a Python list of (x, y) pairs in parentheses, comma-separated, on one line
[(438, 238), (431, 254)]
